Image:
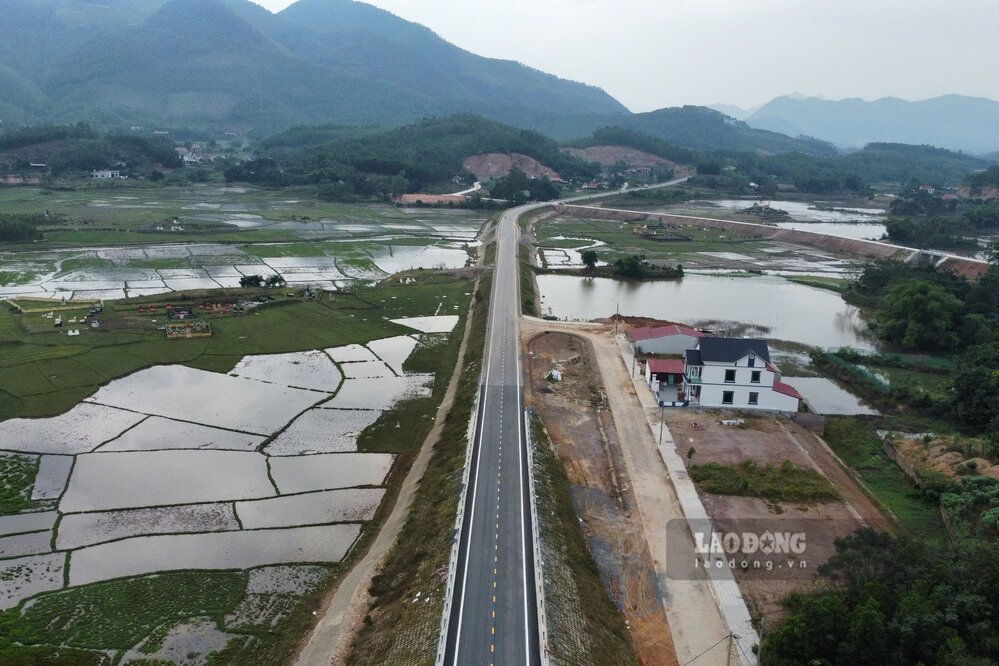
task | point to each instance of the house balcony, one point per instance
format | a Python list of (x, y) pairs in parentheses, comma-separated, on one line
[(692, 379)]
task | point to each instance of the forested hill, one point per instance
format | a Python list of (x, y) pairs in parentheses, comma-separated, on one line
[(427, 152), (231, 64)]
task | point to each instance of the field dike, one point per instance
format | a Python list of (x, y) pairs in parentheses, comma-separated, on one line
[(870, 249), (408, 593)]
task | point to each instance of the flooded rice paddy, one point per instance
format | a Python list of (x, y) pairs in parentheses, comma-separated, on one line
[(244, 549), (155, 473), (157, 433)]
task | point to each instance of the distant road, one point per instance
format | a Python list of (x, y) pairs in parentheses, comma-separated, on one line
[(494, 606)]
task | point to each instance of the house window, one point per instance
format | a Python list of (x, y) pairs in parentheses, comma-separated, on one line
[(754, 398), (728, 397), (755, 377), (752, 360), (730, 376)]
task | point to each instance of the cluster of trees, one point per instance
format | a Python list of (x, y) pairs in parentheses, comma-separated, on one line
[(986, 178), (257, 281), (517, 188), (69, 148), (922, 219), (16, 228), (925, 309), (896, 602)]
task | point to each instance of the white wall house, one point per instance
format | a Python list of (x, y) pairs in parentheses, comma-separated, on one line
[(736, 373), (104, 174), (673, 339)]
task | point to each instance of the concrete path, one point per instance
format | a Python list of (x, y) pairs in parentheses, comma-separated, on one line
[(700, 630), (723, 585)]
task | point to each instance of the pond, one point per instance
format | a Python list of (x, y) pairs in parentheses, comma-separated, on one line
[(827, 397), (766, 306)]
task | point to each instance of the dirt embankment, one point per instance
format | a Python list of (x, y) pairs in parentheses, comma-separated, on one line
[(870, 249), (583, 433), (630, 157), (496, 165)]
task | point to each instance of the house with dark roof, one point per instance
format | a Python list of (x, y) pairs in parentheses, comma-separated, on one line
[(735, 373), (672, 339)]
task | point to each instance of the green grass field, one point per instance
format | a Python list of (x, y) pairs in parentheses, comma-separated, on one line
[(113, 213), (43, 372), (777, 483), (855, 441), (621, 241)]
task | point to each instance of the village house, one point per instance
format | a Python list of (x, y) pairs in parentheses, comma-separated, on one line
[(736, 373), (674, 339), (106, 174), (665, 377)]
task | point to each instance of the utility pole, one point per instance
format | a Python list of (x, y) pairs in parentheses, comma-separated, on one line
[(662, 423), (617, 318)]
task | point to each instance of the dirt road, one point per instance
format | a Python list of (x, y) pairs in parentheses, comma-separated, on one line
[(696, 625)]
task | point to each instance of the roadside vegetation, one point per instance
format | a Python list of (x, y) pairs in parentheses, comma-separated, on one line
[(397, 631)]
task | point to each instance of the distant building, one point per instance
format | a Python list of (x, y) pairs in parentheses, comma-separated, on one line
[(107, 174), (672, 339), (736, 373)]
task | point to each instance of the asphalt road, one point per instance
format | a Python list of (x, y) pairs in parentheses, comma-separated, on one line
[(494, 609)]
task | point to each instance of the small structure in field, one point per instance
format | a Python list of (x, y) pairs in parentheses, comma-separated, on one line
[(188, 330)]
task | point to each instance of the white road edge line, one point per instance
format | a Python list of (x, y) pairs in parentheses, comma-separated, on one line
[(475, 479)]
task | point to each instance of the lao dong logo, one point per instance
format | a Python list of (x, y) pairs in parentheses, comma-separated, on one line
[(750, 543)]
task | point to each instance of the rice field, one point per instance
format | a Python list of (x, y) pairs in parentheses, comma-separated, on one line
[(254, 469), (106, 247)]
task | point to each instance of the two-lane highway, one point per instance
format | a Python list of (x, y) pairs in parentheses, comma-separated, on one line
[(494, 608), (493, 618)]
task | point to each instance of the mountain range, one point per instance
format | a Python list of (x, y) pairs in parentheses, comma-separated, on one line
[(233, 63), (956, 122)]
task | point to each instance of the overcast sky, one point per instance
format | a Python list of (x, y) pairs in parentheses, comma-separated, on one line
[(655, 53)]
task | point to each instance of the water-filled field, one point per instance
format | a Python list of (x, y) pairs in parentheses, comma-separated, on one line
[(176, 468)]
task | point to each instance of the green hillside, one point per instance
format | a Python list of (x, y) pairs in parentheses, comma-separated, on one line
[(230, 64)]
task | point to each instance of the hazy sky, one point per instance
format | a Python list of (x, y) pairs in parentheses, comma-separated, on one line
[(655, 53)]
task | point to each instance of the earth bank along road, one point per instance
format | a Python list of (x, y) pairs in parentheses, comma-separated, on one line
[(493, 614)]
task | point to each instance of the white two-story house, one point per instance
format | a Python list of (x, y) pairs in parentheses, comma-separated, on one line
[(736, 373)]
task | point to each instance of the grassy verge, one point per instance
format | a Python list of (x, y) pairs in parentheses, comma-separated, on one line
[(585, 628), (529, 298), (783, 483), (855, 441), (832, 284), (396, 630)]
